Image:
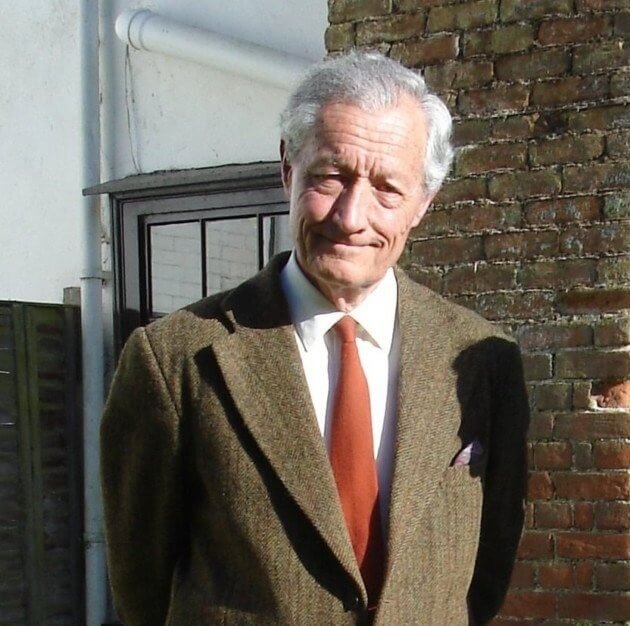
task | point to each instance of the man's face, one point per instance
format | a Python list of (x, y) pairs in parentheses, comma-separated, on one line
[(355, 192)]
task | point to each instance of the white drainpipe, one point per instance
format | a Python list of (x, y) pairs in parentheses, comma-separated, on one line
[(145, 30), (92, 318)]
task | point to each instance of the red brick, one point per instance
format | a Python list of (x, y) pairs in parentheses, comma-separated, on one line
[(558, 274), (617, 206), (599, 176), (522, 245), (428, 276), (524, 185), (582, 486), (522, 575), (569, 89), (553, 396), (592, 546), (573, 30), (584, 575), (600, 5), (600, 118), (514, 10), (348, 10), (609, 238), (593, 301), (587, 426), (513, 127), (529, 515), (537, 366), (612, 394), (567, 149), (552, 515), (563, 210), (546, 336), (462, 17), (552, 455), (461, 190), (612, 515), (479, 278), (339, 37), (622, 24), (612, 332), (556, 575), (535, 64), (535, 545), (539, 486), (499, 40), (495, 276), (446, 250), (470, 131), (392, 28), (594, 606), (551, 122), (411, 6), (468, 301), (600, 56), (613, 270), (469, 219), (529, 604), (540, 426), (613, 576), (501, 98), (619, 84), (618, 144), (527, 305), (583, 515), (611, 454), (459, 74), (490, 157), (582, 398), (430, 50)]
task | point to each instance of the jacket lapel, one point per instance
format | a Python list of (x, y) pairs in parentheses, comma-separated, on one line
[(262, 369), (424, 443)]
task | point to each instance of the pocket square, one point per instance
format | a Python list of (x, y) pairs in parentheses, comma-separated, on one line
[(469, 454)]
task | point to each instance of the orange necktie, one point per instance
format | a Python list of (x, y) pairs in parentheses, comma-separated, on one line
[(352, 460)]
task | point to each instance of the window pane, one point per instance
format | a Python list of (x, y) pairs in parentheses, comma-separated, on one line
[(175, 266), (231, 252), (276, 235)]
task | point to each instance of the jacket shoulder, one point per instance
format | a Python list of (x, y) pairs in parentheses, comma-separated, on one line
[(187, 330)]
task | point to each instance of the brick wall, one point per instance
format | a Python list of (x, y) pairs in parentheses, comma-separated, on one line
[(530, 232)]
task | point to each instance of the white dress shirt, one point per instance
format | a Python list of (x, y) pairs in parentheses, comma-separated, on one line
[(378, 343)]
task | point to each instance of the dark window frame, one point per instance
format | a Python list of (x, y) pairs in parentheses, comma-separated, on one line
[(138, 202)]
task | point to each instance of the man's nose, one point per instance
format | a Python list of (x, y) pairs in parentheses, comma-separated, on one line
[(351, 206)]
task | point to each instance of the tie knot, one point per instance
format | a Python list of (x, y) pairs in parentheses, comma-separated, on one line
[(346, 329)]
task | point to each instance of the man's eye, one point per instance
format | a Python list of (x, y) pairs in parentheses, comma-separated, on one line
[(386, 188), (327, 179)]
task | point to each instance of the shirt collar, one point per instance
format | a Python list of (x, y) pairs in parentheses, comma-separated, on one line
[(313, 315)]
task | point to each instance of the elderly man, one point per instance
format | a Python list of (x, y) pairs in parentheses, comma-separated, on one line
[(328, 443)]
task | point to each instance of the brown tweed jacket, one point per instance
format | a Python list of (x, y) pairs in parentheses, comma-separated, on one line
[(220, 503)]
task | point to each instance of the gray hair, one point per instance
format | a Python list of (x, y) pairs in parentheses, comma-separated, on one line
[(370, 81)]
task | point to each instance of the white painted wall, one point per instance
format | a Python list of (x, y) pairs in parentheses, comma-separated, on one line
[(159, 113), (39, 162)]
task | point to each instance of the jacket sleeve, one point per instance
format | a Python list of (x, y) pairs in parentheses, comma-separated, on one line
[(505, 485), (142, 482)]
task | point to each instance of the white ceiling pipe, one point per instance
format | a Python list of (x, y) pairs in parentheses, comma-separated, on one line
[(144, 30)]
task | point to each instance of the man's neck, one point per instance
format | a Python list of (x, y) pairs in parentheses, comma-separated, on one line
[(342, 297)]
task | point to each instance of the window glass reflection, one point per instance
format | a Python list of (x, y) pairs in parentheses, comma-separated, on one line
[(175, 266)]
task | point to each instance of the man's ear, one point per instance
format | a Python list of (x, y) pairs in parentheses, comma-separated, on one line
[(286, 170), (425, 203)]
